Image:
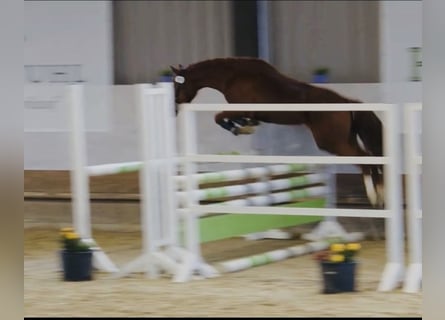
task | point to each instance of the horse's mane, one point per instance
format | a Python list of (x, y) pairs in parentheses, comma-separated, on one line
[(240, 63), (254, 66), (257, 68)]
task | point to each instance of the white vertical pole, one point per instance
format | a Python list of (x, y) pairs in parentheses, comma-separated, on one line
[(393, 273), (192, 220), (413, 187), (169, 129), (158, 110), (330, 171), (147, 180), (79, 178), (413, 276)]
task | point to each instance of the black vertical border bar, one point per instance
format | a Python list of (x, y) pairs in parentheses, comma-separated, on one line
[(245, 28)]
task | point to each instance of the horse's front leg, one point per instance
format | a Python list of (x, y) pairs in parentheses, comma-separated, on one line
[(237, 122)]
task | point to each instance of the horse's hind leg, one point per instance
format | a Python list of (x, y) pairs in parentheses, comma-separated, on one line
[(341, 144), (373, 180), (377, 178)]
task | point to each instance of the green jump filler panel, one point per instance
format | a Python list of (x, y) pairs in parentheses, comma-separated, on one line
[(226, 226)]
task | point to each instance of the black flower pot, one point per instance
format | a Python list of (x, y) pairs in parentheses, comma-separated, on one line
[(77, 265), (338, 277)]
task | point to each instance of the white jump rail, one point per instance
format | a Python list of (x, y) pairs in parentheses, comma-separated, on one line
[(161, 250), (256, 187), (158, 222), (413, 156), (328, 227), (393, 272), (158, 218)]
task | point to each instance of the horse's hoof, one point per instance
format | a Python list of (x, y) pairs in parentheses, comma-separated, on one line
[(253, 122), (246, 130), (246, 122)]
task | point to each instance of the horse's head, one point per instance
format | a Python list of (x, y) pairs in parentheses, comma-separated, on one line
[(185, 90)]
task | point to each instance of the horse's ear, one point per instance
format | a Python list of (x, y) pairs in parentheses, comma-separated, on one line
[(174, 70)]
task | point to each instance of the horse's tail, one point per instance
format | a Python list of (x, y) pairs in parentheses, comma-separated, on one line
[(368, 127)]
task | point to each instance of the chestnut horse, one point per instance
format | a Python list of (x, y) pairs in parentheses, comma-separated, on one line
[(252, 80)]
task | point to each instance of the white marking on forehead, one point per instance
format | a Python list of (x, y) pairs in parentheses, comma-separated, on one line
[(179, 79)]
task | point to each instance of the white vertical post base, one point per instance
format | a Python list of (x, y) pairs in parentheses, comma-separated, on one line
[(194, 268), (140, 264), (392, 277), (413, 279), (100, 260), (152, 264), (181, 265)]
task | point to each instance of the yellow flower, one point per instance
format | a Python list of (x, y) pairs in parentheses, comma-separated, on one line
[(72, 235), (337, 258), (66, 230), (353, 246), (337, 247)]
